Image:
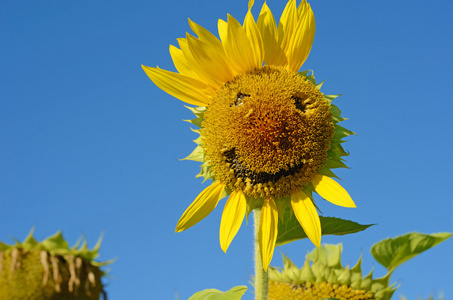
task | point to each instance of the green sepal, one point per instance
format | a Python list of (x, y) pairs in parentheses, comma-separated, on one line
[(196, 131), (205, 172), (356, 274), (385, 294), (334, 160), (341, 132), (319, 85), (327, 172), (197, 140), (56, 244), (282, 206), (252, 203), (304, 73), (345, 276), (338, 151), (327, 253), (336, 114), (393, 252), (311, 78), (292, 270), (308, 190), (367, 281), (335, 164), (330, 98), (196, 155), (235, 293), (290, 230), (197, 121), (29, 242), (197, 111), (93, 253), (332, 277), (307, 273), (381, 283)]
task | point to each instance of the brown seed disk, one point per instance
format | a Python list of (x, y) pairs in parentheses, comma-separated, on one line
[(267, 132)]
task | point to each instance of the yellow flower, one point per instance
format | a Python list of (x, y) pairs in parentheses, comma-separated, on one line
[(268, 136)]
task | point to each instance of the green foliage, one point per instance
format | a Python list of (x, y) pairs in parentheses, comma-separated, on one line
[(393, 252), (235, 293), (290, 230)]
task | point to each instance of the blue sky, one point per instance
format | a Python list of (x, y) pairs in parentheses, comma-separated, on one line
[(90, 145)]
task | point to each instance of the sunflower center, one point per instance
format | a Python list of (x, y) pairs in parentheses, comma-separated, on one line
[(267, 132)]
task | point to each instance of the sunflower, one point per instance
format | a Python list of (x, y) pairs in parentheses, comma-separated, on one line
[(268, 136), (323, 276), (50, 269)]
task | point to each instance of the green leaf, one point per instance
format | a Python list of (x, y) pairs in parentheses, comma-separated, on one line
[(393, 252), (291, 230), (235, 293)]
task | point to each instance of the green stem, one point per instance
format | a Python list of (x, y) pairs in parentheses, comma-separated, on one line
[(261, 280)]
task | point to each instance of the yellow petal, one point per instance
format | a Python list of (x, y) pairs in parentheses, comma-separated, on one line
[(223, 29), (268, 231), (199, 70), (232, 217), (302, 38), (254, 36), (306, 214), (237, 47), (333, 192), (273, 54), (216, 48), (203, 205), (287, 24), (184, 88), (206, 36), (212, 62), (181, 63)]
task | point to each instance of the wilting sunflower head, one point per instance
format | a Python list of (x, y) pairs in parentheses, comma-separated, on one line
[(268, 135), (50, 269), (323, 276)]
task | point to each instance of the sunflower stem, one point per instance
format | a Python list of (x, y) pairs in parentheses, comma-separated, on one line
[(261, 279)]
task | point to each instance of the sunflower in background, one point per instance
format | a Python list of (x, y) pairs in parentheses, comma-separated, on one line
[(324, 276), (268, 136)]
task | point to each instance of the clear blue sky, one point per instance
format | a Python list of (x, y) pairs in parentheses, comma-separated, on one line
[(90, 145)]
